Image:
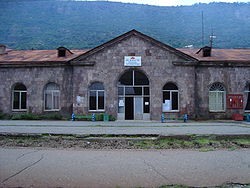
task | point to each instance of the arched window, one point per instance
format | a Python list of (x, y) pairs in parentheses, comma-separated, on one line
[(19, 97), (133, 78), (217, 97), (52, 97), (170, 97), (247, 91), (96, 97)]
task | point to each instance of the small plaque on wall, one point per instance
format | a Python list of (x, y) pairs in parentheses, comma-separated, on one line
[(79, 101), (132, 61)]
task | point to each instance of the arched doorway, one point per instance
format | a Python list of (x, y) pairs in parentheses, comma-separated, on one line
[(133, 96)]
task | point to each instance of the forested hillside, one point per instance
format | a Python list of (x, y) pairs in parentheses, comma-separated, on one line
[(47, 24)]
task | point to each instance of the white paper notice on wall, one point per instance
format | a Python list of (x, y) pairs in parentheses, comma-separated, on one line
[(132, 61), (79, 100), (121, 103), (166, 105)]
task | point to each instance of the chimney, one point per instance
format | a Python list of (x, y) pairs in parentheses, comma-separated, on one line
[(2, 49), (206, 50), (61, 52)]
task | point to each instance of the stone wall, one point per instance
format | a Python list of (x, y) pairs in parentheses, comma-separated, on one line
[(156, 64), (234, 79), (35, 79)]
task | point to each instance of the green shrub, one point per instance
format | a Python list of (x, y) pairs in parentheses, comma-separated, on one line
[(112, 118), (2, 115), (67, 117), (29, 116), (52, 116), (99, 117), (25, 117)]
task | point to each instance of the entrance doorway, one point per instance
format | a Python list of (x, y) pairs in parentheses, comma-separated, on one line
[(129, 108), (133, 96)]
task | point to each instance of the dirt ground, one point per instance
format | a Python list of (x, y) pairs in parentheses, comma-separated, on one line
[(108, 142)]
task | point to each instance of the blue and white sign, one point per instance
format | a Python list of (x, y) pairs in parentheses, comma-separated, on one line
[(132, 61)]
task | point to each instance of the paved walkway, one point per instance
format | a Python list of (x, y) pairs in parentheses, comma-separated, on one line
[(109, 169), (125, 127), (124, 123)]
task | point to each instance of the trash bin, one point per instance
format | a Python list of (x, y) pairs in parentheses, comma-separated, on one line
[(248, 117), (105, 117)]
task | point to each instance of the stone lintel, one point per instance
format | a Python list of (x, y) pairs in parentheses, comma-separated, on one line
[(82, 63), (185, 63)]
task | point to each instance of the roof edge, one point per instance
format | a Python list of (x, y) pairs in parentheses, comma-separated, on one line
[(130, 33)]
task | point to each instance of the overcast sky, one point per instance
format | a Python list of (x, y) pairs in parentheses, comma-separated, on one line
[(175, 2)]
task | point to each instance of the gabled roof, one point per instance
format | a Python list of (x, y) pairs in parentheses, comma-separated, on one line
[(220, 55), (50, 57), (138, 34), (36, 56)]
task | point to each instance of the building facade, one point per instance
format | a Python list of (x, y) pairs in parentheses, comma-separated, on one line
[(132, 77)]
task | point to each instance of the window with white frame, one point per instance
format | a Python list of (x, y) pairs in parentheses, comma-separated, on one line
[(217, 98), (96, 97), (52, 97), (247, 91), (19, 97), (170, 97)]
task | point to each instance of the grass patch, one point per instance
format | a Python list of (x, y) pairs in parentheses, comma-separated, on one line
[(233, 185), (206, 141), (164, 144), (232, 148), (140, 125), (242, 141), (206, 149), (204, 144), (173, 186), (100, 126)]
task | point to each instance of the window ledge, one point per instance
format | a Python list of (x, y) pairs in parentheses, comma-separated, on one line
[(172, 111), (54, 110), (217, 111), (96, 110), (21, 110)]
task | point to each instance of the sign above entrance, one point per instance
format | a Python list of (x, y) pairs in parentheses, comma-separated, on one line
[(132, 61)]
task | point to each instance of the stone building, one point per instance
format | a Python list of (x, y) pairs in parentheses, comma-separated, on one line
[(132, 76)]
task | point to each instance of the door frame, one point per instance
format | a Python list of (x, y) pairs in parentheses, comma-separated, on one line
[(141, 97)]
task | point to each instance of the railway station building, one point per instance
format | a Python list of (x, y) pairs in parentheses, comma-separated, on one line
[(132, 77)]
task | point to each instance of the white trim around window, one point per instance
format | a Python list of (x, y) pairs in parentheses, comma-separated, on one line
[(20, 93), (217, 101), (97, 94), (171, 100), (217, 98), (52, 100)]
